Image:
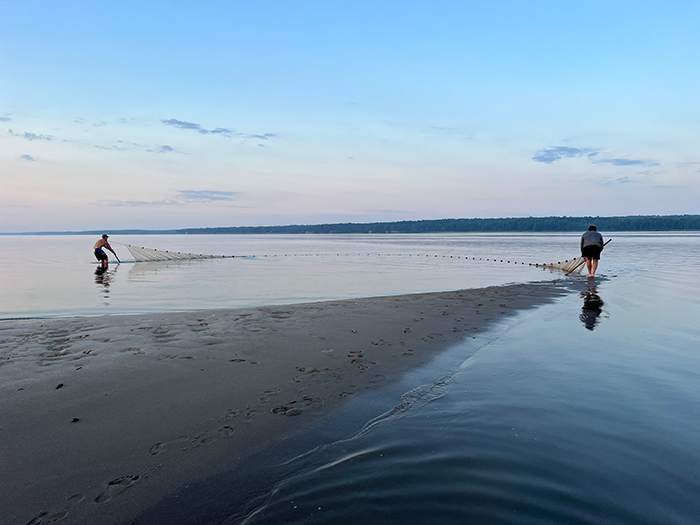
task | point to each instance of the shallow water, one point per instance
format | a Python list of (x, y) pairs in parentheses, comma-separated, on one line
[(549, 423), (583, 411), (56, 275)]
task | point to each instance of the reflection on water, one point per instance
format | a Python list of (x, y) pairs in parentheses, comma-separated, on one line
[(103, 280), (141, 271), (277, 276), (592, 307), (539, 426)]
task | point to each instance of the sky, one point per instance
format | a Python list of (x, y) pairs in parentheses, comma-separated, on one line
[(227, 113)]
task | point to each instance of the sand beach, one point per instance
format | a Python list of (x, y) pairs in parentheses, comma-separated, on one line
[(104, 417)]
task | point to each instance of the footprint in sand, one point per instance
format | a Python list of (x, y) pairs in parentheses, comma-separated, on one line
[(161, 447), (52, 517), (226, 431), (116, 487), (156, 449), (286, 409), (201, 326), (248, 414), (47, 517), (315, 402), (199, 440)]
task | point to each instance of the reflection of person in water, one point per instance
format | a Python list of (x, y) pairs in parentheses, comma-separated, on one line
[(103, 279), (592, 308)]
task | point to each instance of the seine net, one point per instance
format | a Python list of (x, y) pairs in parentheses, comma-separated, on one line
[(142, 254)]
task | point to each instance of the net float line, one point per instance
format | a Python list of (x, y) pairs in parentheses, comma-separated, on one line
[(143, 254)]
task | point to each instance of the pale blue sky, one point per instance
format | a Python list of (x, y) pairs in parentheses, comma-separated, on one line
[(175, 114)]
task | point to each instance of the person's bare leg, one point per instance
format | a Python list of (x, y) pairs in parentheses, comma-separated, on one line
[(594, 267), (588, 265)]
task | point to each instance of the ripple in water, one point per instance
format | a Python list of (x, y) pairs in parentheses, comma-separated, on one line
[(553, 422)]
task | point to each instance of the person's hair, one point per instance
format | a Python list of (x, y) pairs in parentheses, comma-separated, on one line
[(592, 228), (105, 235)]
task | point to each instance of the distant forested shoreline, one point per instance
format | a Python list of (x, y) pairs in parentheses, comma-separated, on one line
[(633, 223)]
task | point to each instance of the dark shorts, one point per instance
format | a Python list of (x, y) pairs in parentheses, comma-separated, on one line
[(100, 255), (591, 252)]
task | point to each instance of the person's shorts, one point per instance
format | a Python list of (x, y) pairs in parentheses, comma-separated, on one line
[(100, 255), (591, 252)]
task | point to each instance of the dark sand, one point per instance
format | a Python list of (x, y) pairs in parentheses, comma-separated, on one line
[(101, 418)]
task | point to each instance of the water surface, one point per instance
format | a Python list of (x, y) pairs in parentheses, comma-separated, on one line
[(58, 275), (583, 411)]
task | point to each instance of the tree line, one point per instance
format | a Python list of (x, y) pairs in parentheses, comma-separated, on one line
[(511, 224), (634, 223)]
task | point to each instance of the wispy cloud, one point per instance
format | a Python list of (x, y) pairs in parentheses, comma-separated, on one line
[(111, 148), (28, 157), (625, 161), (224, 132), (549, 155), (183, 197), (161, 149), (266, 136), (207, 195), (181, 124), (596, 156), (29, 136), (134, 204), (620, 180), (5, 119)]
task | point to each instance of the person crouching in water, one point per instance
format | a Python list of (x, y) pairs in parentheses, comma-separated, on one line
[(100, 255), (591, 246)]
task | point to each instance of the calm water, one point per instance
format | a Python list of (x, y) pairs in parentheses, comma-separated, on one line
[(55, 275), (583, 411)]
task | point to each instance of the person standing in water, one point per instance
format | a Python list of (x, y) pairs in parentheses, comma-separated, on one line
[(100, 255), (591, 246)]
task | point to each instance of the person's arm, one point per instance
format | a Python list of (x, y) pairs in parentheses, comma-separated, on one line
[(581, 243), (111, 250)]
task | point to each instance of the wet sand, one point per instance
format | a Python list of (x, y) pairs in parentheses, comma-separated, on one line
[(101, 418)]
